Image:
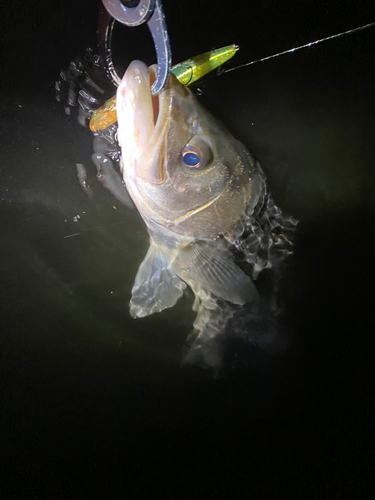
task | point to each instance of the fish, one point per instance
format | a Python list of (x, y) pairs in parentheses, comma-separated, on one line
[(203, 197)]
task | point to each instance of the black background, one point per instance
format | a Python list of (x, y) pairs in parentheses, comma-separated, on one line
[(96, 405)]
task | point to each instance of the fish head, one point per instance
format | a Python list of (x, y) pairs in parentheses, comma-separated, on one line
[(183, 170)]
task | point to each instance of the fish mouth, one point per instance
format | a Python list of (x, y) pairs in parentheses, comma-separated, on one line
[(143, 122)]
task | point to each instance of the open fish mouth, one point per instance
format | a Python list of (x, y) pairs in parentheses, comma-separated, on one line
[(142, 119)]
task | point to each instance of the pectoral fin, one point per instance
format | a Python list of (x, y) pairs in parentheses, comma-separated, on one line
[(203, 265), (156, 285)]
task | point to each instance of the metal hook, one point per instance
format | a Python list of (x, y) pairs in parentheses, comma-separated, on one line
[(149, 11)]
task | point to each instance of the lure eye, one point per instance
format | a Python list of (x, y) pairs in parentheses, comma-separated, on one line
[(196, 154)]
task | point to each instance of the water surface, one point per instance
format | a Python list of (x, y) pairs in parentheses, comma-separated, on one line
[(91, 397)]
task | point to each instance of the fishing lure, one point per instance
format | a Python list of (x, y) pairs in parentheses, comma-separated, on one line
[(186, 72)]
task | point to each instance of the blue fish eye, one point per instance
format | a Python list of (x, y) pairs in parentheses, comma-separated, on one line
[(191, 159), (196, 155)]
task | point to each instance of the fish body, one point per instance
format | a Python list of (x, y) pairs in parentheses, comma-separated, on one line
[(196, 187)]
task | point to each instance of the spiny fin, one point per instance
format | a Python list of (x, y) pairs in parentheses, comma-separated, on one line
[(156, 285), (204, 265)]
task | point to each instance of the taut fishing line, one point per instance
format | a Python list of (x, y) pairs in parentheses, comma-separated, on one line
[(294, 49)]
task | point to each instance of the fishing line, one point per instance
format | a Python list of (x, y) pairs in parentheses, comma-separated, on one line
[(331, 37), (95, 227)]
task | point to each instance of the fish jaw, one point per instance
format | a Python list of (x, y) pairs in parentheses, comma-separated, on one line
[(143, 124)]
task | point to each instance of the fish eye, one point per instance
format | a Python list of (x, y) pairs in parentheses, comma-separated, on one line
[(196, 154), (191, 159)]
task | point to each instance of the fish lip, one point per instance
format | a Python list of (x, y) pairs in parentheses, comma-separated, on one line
[(151, 166), (134, 108), (160, 102), (143, 122), (144, 77)]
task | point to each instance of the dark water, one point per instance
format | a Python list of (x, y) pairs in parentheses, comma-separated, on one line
[(95, 404)]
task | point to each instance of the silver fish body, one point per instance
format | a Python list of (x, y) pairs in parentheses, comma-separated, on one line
[(196, 188)]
